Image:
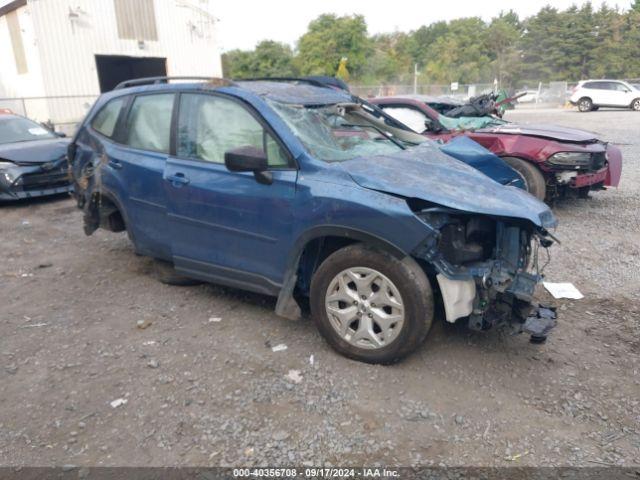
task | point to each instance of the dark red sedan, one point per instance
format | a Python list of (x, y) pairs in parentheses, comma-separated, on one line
[(553, 161)]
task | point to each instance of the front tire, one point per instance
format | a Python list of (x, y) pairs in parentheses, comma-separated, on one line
[(533, 178), (585, 104), (635, 105), (371, 306)]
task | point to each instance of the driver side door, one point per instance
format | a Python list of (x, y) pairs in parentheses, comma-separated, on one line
[(226, 227)]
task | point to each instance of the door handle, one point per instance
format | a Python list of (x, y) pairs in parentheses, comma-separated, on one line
[(115, 164), (178, 179)]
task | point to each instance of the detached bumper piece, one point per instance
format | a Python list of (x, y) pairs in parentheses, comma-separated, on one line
[(540, 322)]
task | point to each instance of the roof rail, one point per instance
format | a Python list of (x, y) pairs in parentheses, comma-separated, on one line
[(310, 81), (155, 80)]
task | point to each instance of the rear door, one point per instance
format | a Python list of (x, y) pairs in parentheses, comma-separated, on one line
[(597, 91), (138, 164), (225, 226)]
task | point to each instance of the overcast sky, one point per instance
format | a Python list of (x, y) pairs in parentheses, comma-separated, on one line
[(244, 23)]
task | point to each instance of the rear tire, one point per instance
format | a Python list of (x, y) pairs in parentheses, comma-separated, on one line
[(533, 178), (635, 105), (165, 273), (585, 104), (391, 320)]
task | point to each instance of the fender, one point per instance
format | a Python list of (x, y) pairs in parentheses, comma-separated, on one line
[(287, 306)]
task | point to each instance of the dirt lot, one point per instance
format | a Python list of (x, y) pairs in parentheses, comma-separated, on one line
[(203, 387)]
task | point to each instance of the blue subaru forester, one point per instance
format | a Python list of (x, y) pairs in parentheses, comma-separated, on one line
[(294, 189)]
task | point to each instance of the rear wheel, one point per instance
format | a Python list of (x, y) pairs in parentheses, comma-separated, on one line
[(635, 105), (585, 104), (371, 306), (531, 175)]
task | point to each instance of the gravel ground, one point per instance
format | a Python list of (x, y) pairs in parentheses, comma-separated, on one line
[(199, 384)]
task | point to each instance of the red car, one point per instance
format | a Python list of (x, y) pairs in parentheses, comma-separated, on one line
[(553, 161)]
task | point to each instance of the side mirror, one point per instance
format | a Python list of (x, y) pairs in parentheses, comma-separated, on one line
[(249, 159)]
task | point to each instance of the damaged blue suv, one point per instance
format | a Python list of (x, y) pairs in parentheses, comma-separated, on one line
[(297, 190)]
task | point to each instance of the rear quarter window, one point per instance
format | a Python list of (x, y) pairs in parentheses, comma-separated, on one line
[(105, 120)]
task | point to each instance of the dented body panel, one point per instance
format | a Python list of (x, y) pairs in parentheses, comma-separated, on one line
[(220, 226), (33, 169), (533, 143)]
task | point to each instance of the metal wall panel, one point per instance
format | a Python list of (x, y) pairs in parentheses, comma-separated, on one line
[(136, 19)]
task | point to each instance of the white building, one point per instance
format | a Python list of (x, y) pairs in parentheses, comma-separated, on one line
[(60, 54)]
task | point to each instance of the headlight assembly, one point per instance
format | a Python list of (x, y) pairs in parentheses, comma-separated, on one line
[(570, 159), (5, 173)]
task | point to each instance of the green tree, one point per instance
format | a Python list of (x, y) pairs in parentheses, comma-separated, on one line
[(391, 59), (328, 39), (269, 59), (460, 55), (503, 37)]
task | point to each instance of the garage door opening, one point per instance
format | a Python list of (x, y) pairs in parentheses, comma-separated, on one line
[(113, 69)]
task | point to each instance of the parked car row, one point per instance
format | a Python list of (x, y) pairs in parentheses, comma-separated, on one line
[(32, 159), (590, 95), (552, 161), (297, 189)]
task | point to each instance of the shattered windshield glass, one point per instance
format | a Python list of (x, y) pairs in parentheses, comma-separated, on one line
[(469, 123), (335, 133)]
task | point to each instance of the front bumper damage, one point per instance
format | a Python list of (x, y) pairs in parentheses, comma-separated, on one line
[(605, 171), (497, 289), (34, 180)]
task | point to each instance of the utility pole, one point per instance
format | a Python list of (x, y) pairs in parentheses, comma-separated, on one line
[(415, 78)]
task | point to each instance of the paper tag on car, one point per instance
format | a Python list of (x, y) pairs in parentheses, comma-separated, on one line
[(37, 131), (563, 290)]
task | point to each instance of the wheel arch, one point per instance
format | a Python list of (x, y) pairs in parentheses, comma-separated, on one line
[(105, 210), (308, 252)]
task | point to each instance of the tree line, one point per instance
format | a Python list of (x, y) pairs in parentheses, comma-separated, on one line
[(572, 44)]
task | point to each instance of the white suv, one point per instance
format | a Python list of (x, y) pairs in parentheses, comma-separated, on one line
[(592, 94)]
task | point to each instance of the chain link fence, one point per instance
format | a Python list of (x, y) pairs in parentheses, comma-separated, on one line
[(546, 94), (65, 112), (62, 112)]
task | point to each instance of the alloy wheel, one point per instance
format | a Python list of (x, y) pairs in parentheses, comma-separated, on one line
[(584, 106), (636, 105), (365, 308)]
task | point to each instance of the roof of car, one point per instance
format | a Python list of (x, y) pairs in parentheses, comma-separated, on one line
[(602, 80), (293, 91)]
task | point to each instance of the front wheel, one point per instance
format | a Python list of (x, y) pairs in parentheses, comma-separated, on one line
[(533, 179), (370, 305), (635, 105)]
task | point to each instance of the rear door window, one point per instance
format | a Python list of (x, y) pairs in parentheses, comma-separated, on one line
[(105, 121), (209, 126), (149, 122)]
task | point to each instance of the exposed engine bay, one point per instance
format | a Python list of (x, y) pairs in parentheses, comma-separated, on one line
[(487, 269)]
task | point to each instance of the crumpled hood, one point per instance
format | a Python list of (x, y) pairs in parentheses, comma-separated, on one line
[(426, 173), (554, 132), (34, 152), (475, 155)]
